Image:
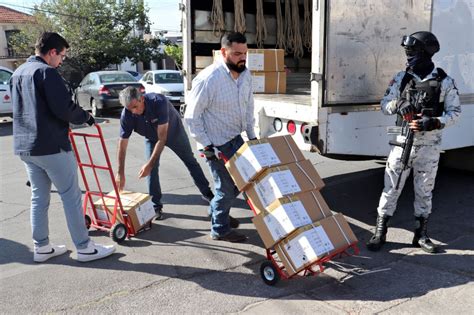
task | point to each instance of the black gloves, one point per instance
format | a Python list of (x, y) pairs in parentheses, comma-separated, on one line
[(405, 108), (209, 153), (428, 123), (91, 120)]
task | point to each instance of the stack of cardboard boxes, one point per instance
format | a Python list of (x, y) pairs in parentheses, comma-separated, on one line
[(267, 68), (291, 215)]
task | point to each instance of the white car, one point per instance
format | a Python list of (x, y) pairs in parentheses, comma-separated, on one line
[(6, 106), (166, 82)]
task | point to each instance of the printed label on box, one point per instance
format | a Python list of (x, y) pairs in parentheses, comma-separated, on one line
[(308, 246), (276, 185), (145, 212), (255, 158), (286, 218), (255, 61), (258, 83)]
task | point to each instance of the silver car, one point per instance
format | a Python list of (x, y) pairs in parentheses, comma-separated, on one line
[(166, 82), (6, 106)]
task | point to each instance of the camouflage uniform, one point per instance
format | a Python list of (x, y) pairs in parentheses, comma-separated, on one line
[(425, 152)]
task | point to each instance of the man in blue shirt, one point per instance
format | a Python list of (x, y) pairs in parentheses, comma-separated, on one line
[(153, 117), (42, 111)]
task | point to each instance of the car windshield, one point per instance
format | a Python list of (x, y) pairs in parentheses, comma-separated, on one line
[(168, 78), (116, 77)]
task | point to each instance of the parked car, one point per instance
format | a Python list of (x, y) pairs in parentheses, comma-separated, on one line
[(166, 82), (6, 106), (99, 90), (135, 74)]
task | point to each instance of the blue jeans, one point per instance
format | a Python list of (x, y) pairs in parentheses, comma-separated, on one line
[(225, 189), (61, 170), (182, 148)]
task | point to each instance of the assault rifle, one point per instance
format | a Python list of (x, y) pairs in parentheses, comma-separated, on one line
[(408, 144)]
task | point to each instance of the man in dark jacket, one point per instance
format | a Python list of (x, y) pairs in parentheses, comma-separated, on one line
[(42, 111)]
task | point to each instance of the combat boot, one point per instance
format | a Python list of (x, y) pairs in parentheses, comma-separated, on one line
[(421, 239), (378, 239)]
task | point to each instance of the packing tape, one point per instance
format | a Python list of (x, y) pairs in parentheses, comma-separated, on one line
[(276, 69), (304, 172), (319, 204), (343, 233), (289, 146), (278, 82)]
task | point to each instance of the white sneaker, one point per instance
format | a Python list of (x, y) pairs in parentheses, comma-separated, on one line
[(48, 251), (94, 251)]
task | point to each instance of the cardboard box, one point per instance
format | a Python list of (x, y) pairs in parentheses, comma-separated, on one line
[(255, 156), (284, 180), (265, 60), (262, 59), (286, 214), (312, 242), (137, 206), (269, 82)]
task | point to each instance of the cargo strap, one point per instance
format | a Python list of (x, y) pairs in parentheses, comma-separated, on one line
[(319, 204)]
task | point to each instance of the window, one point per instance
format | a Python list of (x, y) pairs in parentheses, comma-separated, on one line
[(5, 77), (168, 78), (116, 77)]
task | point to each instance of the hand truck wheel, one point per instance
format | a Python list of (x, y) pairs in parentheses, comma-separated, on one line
[(118, 232), (88, 221), (269, 273)]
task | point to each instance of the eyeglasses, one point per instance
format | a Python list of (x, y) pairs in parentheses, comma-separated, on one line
[(409, 41), (63, 56)]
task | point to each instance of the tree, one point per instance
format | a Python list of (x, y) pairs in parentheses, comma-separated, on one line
[(175, 52), (100, 32)]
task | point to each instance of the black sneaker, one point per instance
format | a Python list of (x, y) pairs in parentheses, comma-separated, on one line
[(232, 236), (158, 214)]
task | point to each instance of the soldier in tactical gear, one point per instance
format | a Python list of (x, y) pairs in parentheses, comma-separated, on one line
[(437, 107)]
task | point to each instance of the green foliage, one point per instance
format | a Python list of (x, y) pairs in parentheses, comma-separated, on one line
[(100, 32), (175, 52)]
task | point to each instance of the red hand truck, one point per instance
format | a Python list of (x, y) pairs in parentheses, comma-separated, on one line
[(115, 221), (272, 269)]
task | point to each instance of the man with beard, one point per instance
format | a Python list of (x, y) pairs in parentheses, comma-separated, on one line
[(220, 109), (438, 107)]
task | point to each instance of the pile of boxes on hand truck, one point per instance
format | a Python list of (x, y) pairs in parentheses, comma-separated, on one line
[(297, 227), (267, 68), (121, 214)]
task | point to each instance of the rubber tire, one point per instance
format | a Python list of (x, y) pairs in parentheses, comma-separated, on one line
[(269, 273), (119, 232), (88, 221), (96, 112)]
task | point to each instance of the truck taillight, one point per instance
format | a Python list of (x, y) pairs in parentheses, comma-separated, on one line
[(291, 127), (142, 89), (103, 90), (302, 127)]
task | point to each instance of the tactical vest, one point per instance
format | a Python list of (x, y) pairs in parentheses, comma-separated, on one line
[(430, 105)]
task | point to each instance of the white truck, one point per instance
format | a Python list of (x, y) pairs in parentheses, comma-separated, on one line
[(334, 90)]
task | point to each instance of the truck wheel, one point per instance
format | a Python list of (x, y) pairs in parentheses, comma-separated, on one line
[(118, 232), (88, 221), (96, 112), (269, 273)]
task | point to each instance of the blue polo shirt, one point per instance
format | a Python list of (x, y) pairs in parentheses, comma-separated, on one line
[(158, 111)]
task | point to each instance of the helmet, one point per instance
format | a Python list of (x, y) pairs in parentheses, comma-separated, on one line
[(421, 40)]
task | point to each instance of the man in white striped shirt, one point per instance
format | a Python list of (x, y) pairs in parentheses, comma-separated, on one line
[(220, 109)]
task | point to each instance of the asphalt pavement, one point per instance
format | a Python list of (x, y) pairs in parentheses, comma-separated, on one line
[(175, 268)]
